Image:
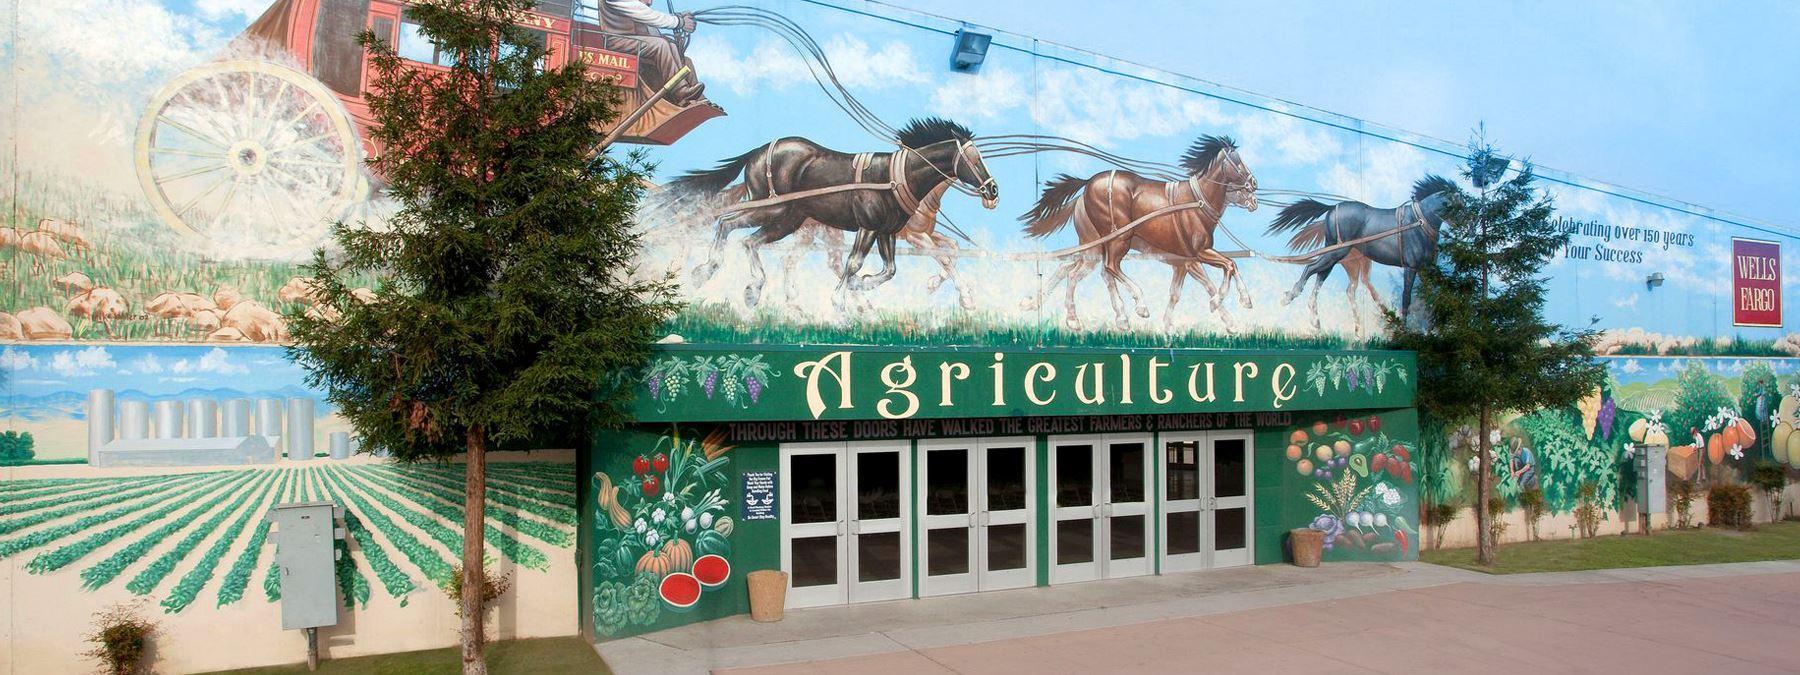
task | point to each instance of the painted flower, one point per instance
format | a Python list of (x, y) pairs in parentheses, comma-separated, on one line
[(651, 539), (657, 516), (669, 497), (1630, 451), (1736, 451), (1474, 463), (1391, 498), (641, 526), (1494, 437)]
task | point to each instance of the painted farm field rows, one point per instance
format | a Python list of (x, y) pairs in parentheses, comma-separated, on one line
[(448, 509), (548, 532), (172, 535), (537, 503)]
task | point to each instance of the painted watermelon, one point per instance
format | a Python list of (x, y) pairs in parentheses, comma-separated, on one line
[(712, 571), (680, 591)]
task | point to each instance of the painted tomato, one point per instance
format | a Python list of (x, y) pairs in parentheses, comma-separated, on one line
[(660, 462), (1374, 424), (652, 487), (712, 570), (680, 590), (641, 465), (1356, 427)]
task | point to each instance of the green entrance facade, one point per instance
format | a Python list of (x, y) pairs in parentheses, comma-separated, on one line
[(887, 473)]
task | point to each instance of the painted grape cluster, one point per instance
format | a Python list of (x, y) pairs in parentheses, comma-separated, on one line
[(179, 531), (736, 380), (1353, 373)]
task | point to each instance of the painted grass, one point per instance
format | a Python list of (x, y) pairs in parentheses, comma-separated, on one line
[(452, 510), (1774, 541), (546, 656)]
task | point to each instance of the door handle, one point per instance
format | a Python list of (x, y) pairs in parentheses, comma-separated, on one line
[(840, 528)]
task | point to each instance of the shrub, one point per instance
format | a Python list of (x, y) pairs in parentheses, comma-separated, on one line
[(1683, 493), (1531, 504), (121, 638), (1437, 517), (1771, 478), (1587, 510), (493, 586), (16, 447), (1728, 505), (1497, 508)]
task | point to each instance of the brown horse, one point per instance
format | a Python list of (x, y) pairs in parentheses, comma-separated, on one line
[(1120, 211), (920, 231)]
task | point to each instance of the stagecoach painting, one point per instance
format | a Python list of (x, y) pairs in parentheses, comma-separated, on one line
[(265, 144)]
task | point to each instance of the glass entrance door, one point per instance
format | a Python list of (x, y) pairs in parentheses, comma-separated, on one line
[(1206, 500), (976, 526), (1100, 517), (845, 532)]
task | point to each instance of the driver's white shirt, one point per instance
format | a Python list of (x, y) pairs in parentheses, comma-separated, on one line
[(642, 12)]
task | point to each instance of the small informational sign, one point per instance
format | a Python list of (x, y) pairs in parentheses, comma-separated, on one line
[(759, 495), (1755, 283)]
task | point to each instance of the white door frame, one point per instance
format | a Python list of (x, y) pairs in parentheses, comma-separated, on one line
[(977, 517), (1207, 504), (848, 525), (1103, 509)]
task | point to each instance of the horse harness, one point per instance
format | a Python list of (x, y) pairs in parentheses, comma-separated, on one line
[(897, 181)]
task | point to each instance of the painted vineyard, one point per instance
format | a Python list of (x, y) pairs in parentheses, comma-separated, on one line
[(202, 537), (664, 534), (1361, 481)]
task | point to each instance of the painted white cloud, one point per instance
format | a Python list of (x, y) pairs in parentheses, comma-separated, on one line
[(227, 9), (775, 65), (1382, 175), (219, 361), (17, 359), (147, 364), (78, 363), (1098, 108), (1631, 366), (985, 95), (1274, 138)]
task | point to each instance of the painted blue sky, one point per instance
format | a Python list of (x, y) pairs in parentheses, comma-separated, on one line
[(38, 370)]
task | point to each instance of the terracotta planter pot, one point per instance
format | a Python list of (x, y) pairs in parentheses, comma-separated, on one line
[(1308, 545), (768, 594)]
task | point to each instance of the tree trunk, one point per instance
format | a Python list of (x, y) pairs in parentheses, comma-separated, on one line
[(1484, 485), (473, 581)]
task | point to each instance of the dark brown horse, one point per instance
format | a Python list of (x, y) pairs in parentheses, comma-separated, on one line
[(792, 182), (1120, 211)]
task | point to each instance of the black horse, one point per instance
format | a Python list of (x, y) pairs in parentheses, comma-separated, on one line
[(1411, 245), (793, 181)]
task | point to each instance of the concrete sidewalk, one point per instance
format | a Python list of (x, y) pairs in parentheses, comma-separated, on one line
[(1340, 617)]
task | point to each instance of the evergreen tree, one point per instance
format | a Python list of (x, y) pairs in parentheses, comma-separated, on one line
[(1483, 344), (507, 288)]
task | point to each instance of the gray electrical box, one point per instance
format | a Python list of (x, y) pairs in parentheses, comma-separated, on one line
[(306, 534), (1652, 479)]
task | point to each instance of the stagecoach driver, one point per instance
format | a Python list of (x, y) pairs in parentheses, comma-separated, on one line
[(631, 26)]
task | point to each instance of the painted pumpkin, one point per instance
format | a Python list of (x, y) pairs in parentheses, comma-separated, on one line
[(674, 556), (608, 497)]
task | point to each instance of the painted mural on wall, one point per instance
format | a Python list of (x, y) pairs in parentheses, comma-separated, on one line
[(1719, 416), (1362, 483), (662, 528), (171, 194)]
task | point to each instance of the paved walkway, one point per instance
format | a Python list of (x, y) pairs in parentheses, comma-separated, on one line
[(1338, 618)]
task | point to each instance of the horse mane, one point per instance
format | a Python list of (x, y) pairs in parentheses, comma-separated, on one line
[(1430, 185), (921, 132), (1204, 151)]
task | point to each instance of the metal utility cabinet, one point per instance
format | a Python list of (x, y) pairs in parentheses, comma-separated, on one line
[(305, 555)]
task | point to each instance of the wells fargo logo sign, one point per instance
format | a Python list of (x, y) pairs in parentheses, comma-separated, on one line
[(719, 384), (1755, 283)]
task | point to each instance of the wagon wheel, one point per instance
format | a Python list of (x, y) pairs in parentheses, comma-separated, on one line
[(254, 156)]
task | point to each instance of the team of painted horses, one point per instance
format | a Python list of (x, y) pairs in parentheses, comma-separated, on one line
[(795, 188)]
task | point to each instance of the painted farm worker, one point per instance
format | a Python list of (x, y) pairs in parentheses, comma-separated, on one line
[(1524, 465), (632, 27)]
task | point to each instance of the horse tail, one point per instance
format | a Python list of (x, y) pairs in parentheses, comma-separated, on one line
[(1297, 214), (1054, 208), (1308, 238), (713, 180)]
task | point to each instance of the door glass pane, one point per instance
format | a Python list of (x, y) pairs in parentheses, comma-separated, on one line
[(1184, 532), (878, 556), (1006, 479), (815, 561), (946, 482), (1183, 468), (1228, 529), (1127, 471), (877, 485), (1075, 475), (1127, 537), (1075, 541), (1006, 547), (1228, 468), (814, 481), (949, 551)]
